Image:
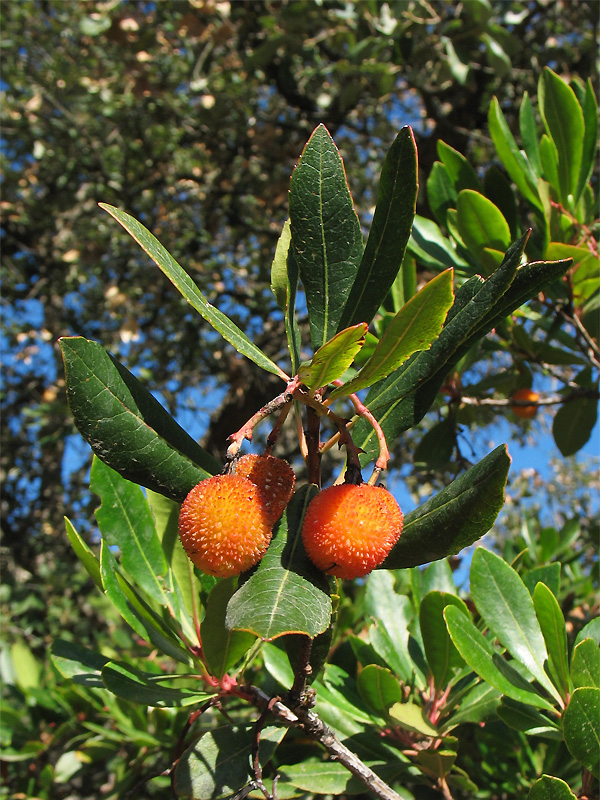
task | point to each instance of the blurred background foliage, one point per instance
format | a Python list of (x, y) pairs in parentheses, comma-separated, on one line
[(190, 114)]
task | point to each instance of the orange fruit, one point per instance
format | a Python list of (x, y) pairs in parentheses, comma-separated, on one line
[(224, 525), (525, 412), (273, 476), (349, 530)]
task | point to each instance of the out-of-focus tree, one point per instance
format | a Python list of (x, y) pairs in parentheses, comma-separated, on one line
[(191, 115)]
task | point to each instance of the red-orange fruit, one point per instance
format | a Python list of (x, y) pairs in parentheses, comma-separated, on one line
[(349, 530), (525, 412), (273, 476), (224, 526)]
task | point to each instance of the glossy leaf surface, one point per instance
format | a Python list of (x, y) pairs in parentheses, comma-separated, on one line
[(146, 688), (332, 359), (581, 727), (222, 647)]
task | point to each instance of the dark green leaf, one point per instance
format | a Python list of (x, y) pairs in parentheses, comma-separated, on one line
[(477, 705), (506, 606), (182, 281), (326, 234), (222, 648), (379, 688), (563, 119), (585, 664), (545, 573), (481, 225), (84, 554), (284, 284), (333, 779), (529, 134), (442, 656), (413, 328), (126, 427), (286, 593), (481, 657), (390, 230), (79, 664), (456, 517), (461, 172), (436, 447), (333, 359), (432, 249), (590, 139), (132, 684), (499, 190), (552, 623), (438, 761), (441, 194), (549, 788), (524, 718), (573, 424), (581, 727)]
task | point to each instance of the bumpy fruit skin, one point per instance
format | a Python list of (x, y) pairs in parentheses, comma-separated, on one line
[(525, 412), (273, 476), (349, 530), (224, 526)]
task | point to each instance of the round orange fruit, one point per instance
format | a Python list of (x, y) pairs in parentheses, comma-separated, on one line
[(524, 411), (273, 476)]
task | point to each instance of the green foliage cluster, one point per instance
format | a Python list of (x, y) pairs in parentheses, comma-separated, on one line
[(237, 687)]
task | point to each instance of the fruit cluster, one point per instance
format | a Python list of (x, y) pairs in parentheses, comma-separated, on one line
[(226, 521)]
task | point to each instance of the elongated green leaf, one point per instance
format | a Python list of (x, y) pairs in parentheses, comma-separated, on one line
[(379, 688), (432, 248), (390, 230), (563, 119), (182, 281), (456, 517), (585, 664), (461, 172), (126, 427), (413, 328), (552, 623), (481, 224), (217, 765), (573, 424), (515, 163), (146, 688), (125, 521), (480, 656), (441, 192), (222, 647), (84, 554), (402, 399), (506, 606), (80, 664), (590, 139), (318, 777), (524, 718), (581, 727), (115, 594), (412, 717), (529, 134), (284, 284), (326, 234), (442, 656), (477, 705), (549, 159), (331, 361), (549, 788), (286, 593)]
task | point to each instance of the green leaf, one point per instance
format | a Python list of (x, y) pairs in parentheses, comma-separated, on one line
[(390, 231), (83, 553), (481, 225), (524, 718), (552, 623), (337, 689), (549, 788), (488, 664), (441, 193), (477, 705), (379, 688), (326, 234), (217, 765), (412, 717), (222, 648), (499, 190), (461, 172), (590, 631), (435, 449), (413, 328), (581, 727), (529, 134), (126, 427), (126, 681), (496, 56), (333, 779), (590, 138), (80, 664), (182, 281), (573, 424), (115, 594), (507, 608), (585, 664), (563, 119), (286, 593), (442, 656), (125, 521), (332, 359), (431, 248), (455, 517), (284, 284), (549, 159), (515, 163)]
